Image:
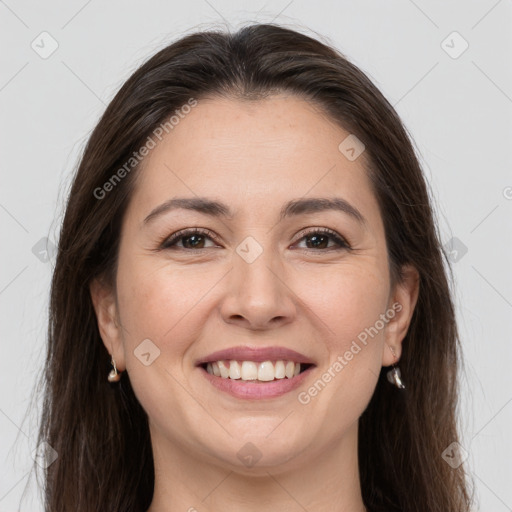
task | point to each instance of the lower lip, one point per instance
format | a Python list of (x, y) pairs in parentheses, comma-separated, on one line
[(250, 390)]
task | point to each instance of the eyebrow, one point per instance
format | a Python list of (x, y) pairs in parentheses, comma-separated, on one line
[(292, 208)]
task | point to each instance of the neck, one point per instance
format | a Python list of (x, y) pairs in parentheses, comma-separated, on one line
[(325, 481)]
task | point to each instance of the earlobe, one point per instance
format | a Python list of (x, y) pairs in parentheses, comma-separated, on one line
[(403, 302), (105, 307)]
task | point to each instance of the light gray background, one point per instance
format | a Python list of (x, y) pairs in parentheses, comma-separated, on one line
[(458, 110)]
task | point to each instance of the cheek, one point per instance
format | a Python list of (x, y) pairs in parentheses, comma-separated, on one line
[(161, 304), (350, 306), (349, 302), (143, 303), (164, 309), (347, 299)]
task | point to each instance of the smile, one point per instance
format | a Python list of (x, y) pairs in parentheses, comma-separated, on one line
[(264, 371), (255, 380)]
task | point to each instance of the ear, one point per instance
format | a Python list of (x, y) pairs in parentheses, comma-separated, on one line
[(403, 300), (105, 305)]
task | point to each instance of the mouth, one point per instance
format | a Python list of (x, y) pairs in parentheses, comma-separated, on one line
[(251, 380), (253, 371)]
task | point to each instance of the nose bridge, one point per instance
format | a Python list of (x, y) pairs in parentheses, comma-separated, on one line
[(256, 263), (257, 291)]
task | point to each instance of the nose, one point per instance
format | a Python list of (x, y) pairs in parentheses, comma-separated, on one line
[(257, 296)]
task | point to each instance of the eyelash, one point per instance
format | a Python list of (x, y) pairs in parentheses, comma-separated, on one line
[(170, 241)]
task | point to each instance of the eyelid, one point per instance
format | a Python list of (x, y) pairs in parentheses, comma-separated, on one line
[(340, 240), (174, 237)]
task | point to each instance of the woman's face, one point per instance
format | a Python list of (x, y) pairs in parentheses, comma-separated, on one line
[(256, 280)]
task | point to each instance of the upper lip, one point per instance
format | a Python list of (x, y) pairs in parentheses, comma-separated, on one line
[(256, 354)]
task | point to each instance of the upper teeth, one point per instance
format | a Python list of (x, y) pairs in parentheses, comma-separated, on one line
[(249, 370)]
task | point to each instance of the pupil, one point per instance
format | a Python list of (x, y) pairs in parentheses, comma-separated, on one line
[(193, 237), (316, 237)]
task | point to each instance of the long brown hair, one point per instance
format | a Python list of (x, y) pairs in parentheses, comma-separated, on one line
[(99, 431)]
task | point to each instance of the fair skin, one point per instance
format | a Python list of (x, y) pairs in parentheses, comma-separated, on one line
[(314, 299)]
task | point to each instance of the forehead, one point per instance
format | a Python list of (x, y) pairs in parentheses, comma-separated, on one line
[(254, 155)]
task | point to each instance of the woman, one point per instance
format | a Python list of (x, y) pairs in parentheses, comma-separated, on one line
[(249, 249)]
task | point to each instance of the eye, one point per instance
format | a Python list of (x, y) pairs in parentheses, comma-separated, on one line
[(192, 238), (195, 238), (319, 238)]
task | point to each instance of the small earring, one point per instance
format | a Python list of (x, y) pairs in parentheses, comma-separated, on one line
[(395, 378), (113, 376), (394, 375)]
